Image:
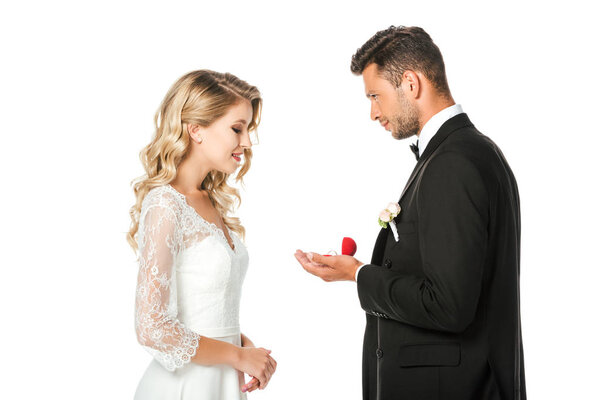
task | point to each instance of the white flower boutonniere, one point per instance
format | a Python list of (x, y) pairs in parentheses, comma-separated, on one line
[(387, 217)]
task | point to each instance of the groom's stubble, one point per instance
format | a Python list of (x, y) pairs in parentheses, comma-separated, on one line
[(405, 123)]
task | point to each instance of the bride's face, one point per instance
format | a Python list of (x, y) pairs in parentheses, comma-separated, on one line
[(223, 142)]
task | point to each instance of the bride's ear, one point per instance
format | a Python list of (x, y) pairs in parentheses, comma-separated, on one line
[(194, 132)]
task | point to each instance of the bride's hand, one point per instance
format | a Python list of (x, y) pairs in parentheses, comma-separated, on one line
[(251, 385), (257, 363)]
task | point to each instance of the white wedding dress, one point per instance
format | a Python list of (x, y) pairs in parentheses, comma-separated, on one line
[(189, 285)]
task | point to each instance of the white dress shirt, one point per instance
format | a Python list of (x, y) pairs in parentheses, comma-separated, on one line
[(434, 124), (429, 130)]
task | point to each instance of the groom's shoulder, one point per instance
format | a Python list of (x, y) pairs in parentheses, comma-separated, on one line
[(468, 147), (471, 144)]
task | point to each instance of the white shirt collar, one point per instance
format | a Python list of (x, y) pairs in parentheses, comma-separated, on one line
[(434, 124)]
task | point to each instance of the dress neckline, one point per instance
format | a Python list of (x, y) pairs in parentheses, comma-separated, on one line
[(211, 225)]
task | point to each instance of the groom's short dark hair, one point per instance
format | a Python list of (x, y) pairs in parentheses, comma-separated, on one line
[(397, 49)]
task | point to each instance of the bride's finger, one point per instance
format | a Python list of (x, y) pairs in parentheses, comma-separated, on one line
[(262, 381), (251, 382), (270, 372), (251, 388), (251, 385), (273, 364)]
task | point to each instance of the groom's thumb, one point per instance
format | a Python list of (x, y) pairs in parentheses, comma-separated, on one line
[(316, 258)]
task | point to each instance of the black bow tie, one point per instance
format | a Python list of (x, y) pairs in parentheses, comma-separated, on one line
[(415, 149)]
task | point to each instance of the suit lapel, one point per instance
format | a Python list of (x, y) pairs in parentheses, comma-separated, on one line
[(378, 249), (454, 123)]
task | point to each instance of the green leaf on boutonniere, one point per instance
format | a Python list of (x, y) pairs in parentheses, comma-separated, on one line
[(382, 224)]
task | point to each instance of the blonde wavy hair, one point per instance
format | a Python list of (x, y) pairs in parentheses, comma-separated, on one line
[(199, 97)]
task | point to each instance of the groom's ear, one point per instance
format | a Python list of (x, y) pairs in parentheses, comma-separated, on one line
[(411, 84)]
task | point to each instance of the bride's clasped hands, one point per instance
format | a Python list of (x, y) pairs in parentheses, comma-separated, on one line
[(256, 362)]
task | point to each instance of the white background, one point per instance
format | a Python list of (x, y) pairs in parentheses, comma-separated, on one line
[(80, 83)]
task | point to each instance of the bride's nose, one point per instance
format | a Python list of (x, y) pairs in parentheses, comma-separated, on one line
[(245, 140)]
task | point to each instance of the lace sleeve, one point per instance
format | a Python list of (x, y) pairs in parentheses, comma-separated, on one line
[(156, 324)]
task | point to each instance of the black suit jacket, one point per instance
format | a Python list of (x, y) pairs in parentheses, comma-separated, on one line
[(442, 302)]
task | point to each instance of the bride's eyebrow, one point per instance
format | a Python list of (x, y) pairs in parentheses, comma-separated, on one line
[(240, 120)]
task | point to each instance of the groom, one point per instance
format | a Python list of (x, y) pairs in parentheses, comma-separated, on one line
[(441, 293)]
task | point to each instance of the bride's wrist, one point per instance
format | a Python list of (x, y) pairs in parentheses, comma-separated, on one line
[(235, 356)]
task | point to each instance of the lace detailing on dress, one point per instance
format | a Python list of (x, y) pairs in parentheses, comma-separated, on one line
[(157, 327), (190, 279), (194, 222)]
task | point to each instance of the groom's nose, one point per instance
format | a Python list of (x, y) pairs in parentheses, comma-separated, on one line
[(375, 113)]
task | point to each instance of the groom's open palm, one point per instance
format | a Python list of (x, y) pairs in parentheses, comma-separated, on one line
[(328, 268)]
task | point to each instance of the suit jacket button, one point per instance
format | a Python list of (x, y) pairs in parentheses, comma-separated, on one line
[(379, 353), (387, 263)]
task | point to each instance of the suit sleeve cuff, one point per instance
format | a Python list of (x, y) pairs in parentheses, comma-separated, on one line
[(357, 271)]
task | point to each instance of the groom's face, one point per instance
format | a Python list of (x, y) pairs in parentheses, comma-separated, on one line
[(390, 105)]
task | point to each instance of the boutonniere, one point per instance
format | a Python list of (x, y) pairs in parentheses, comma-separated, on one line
[(387, 217)]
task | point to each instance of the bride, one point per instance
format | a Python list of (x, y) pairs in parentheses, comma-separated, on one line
[(191, 261)]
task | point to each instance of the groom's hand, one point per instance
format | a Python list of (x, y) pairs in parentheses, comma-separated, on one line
[(330, 269)]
